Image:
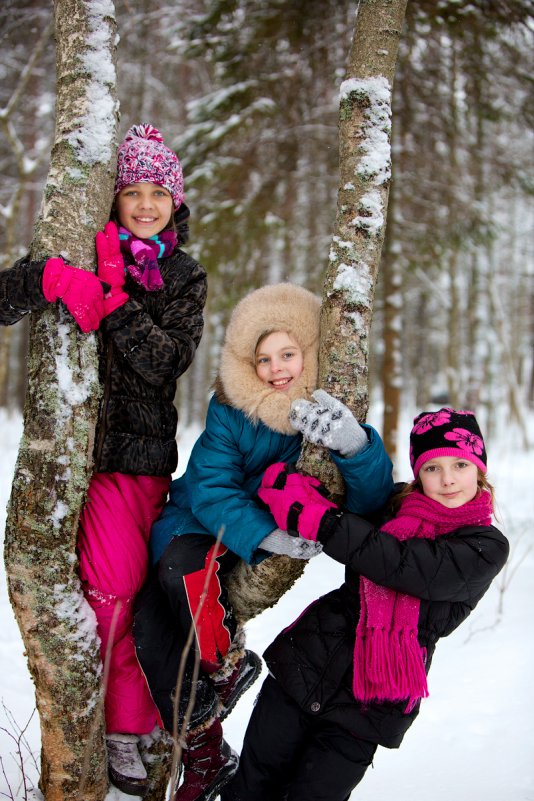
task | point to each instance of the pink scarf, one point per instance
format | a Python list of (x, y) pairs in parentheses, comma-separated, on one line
[(144, 253), (389, 663)]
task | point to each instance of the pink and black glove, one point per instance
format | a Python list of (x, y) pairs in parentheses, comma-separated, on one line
[(111, 267), (297, 502), (80, 291)]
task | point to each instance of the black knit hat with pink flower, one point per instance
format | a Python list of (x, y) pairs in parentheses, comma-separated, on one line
[(446, 432)]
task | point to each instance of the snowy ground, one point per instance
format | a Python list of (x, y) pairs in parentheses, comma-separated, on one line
[(474, 738)]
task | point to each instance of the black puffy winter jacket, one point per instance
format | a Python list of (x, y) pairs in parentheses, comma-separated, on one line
[(146, 346), (312, 659)]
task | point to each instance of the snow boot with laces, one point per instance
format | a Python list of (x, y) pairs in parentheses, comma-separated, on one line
[(208, 764), (230, 688), (126, 769)]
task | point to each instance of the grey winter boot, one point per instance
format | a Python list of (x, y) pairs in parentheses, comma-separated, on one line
[(126, 769)]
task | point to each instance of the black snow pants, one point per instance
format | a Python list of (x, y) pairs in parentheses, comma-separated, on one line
[(289, 755), (163, 614)]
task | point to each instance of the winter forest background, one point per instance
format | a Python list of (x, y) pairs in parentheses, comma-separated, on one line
[(247, 93)]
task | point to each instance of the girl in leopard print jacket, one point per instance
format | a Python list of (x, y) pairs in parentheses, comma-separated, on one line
[(149, 313)]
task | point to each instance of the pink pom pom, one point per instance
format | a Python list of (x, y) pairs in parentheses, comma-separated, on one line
[(144, 131)]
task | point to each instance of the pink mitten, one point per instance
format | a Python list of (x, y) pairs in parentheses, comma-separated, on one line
[(110, 259), (80, 291), (112, 302), (295, 501)]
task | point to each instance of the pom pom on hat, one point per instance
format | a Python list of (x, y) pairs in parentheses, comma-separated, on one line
[(446, 433), (143, 156), (143, 131)]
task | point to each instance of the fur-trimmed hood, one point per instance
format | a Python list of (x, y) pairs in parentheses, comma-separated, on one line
[(278, 307)]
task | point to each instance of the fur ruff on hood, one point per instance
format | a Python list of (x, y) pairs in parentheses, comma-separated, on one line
[(278, 307)]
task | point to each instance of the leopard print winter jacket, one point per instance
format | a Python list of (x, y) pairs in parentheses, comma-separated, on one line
[(147, 344), (21, 291)]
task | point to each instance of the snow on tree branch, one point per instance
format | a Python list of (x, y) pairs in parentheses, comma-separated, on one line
[(375, 95), (93, 136)]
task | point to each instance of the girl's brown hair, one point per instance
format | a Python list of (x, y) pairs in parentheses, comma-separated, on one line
[(411, 486)]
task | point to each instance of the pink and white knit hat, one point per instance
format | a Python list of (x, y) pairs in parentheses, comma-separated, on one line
[(446, 432), (143, 156)]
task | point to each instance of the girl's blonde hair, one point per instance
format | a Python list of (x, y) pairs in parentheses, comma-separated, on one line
[(268, 333), (284, 307)]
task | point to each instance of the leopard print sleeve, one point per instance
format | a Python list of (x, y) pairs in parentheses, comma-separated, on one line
[(158, 333), (21, 291)]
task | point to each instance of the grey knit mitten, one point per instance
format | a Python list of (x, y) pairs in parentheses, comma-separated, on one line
[(326, 421), (280, 542)]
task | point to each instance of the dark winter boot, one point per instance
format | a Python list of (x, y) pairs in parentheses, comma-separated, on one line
[(208, 762), (126, 769), (231, 687)]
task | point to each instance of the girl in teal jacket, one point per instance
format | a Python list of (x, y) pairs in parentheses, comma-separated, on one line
[(268, 360)]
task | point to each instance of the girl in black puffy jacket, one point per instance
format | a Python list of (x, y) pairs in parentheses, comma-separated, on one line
[(349, 674)]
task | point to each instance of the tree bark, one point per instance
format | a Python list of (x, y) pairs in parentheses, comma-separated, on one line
[(365, 171), (392, 372), (55, 456)]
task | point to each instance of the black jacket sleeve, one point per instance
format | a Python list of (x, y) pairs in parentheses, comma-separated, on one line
[(452, 567), (161, 353), (21, 290)]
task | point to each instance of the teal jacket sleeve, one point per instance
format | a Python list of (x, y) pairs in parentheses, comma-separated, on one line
[(368, 475), (222, 489)]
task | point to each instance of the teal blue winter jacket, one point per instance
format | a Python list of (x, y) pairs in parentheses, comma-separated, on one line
[(224, 472)]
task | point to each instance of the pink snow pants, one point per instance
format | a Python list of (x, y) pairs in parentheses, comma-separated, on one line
[(113, 562)]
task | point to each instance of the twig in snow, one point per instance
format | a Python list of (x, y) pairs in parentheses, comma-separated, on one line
[(20, 741), (179, 739)]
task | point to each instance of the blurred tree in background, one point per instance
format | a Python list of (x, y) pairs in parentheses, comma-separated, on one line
[(247, 93)]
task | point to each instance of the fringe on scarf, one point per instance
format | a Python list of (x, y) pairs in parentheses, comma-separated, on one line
[(389, 666), (389, 663)]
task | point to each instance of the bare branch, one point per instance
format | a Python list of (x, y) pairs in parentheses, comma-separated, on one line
[(26, 73), (179, 739)]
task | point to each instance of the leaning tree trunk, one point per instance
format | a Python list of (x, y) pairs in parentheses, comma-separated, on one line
[(365, 171), (54, 461)]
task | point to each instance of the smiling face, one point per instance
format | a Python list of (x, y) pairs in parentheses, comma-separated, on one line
[(144, 208), (279, 360), (449, 480)]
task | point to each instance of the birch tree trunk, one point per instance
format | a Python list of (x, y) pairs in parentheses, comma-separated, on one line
[(365, 171), (54, 460)]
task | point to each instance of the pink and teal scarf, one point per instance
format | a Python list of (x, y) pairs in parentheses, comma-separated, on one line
[(389, 663), (145, 254)]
